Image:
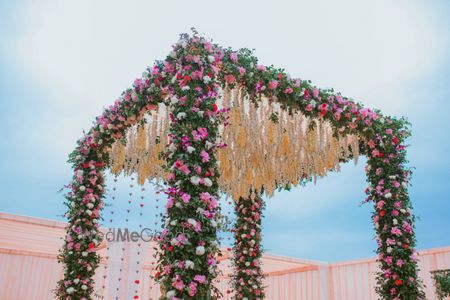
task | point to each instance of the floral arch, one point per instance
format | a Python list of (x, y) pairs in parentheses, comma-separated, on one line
[(173, 126)]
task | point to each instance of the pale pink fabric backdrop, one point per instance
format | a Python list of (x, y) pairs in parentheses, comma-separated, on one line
[(29, 269)]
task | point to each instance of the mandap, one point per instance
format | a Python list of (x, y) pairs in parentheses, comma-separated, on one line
[(208, 121)]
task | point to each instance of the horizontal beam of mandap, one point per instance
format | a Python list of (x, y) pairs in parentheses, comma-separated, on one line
[(210, 120)]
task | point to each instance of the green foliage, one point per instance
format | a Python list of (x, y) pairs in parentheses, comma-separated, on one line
[(442, 283)]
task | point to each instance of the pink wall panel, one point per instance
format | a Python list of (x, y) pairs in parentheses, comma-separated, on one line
[(29, 270)]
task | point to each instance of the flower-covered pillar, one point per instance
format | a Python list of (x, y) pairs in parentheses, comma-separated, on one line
[(248, 276), (393, 219), (189, 248)]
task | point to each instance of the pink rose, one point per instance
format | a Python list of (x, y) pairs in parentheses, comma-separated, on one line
[(233, 57), (200, 278), (230, 79), (273, 84), (205, 156)]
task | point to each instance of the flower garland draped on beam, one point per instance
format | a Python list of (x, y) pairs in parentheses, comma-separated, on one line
[(188, 82), (260, 154)]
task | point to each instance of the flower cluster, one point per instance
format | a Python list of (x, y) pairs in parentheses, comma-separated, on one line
[(187, 261), (382, 141), (84, 199), (392, 217), (188, 80), (248, 275)]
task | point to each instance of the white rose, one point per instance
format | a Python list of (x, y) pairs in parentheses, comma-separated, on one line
[(173, 223), (170, 294), (172, 147), (395, 222), (388, 196), (80, 173), (211, 269), (389, 250), (84, 253), (404, 184), (190, 149), (247, 264), (189, 264), (200, 250), (213, 223), (76, 280), (195, 180), (70, 290), (402, 210), (377, 225), (211, 58), (89, 268), (82, 188), (209, 145), (90, 205), (181, 115), (89, 212), (206, 79), (200, 113), (173, 99), (173, 241), (208, 182), (84, 287), (178, 204), (185, 88), (392, 177), (192, 222)]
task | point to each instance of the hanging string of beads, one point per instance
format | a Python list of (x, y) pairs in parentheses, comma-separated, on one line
[(110, 219)]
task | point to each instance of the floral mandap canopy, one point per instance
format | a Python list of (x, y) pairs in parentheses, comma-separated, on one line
[(209, 119)]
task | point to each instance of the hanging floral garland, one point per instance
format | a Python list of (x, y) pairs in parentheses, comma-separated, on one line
[(382, 141), (188, 81), (247, 277)]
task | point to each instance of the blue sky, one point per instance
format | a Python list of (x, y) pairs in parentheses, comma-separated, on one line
[(62, 62)]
